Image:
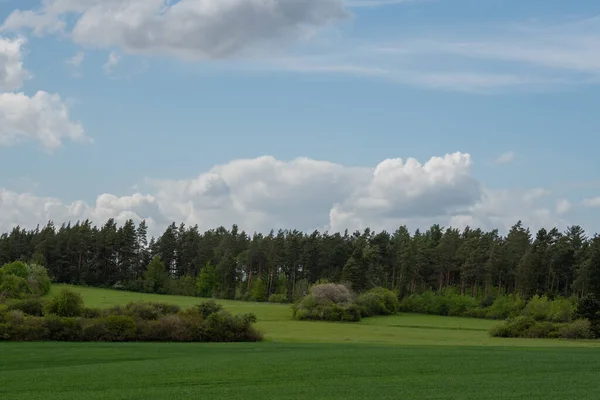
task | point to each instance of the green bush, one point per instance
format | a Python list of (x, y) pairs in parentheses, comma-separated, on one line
[(64, 329), (113, 328), (561, 310), (588, 307), (278, 298), (578, 329), (538, 308), (528, 327), (38, 279), (17, 268), (208, 308), (13, 287), (91, 312), (378, 301), (34, 307), (67, 303), (505, 307)]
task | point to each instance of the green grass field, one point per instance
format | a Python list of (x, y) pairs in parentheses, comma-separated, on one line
[(401, 357)]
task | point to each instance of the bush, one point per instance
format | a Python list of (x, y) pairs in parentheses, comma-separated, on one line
[(13, 287), (528, 327), (113, 328), (67, 303), (588, 307), (34, 307), (331, 293), (20, 280), (64, 329), (208, 308), (538, 308), (91, 312), (378, 301), (578, 329), (17, 268), (38, 279), (561, 310), (506, 307), (278, 298)]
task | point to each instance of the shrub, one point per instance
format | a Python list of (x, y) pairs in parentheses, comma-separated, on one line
[(331, 293), (67, 303), (513, 327), (113, 328), (141, 310), (34, 307), (17, 268), (224, 327), (91, 313), (578, 329), (278, 298), (561, 310), (208, 308), (588, 307), (378, 301), (38, 279), (506, 307), (13, 287), (538, 308), (65, 329)]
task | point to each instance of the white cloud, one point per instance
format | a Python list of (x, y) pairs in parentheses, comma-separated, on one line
[(506, 158), (593, 202), (205, 29), (43, 117), (76, 60), (264, 193), (113, 60), (563, 206), (12, 72)]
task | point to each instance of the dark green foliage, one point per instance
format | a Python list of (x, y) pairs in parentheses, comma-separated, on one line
[(588, 307), (16, 268), (13, 287), (112, 328), (378, 301), (529, 327), (228, 263), (451, 303), (208, 307), (66, 303), (278, 298), (34, 307), (207, 322), (19, 280), (259, 290)]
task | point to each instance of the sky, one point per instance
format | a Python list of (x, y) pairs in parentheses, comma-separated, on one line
[(300, 114)]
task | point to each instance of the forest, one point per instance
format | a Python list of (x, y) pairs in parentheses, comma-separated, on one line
[(232, 264)]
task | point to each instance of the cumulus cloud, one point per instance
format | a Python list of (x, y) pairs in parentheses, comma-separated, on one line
[(12, 71), (265, 193), (43, 117), (199, 28)]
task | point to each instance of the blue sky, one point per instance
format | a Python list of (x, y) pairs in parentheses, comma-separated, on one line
[(512, 84)]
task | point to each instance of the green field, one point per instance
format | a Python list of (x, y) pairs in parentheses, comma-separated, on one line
[(401, 357)]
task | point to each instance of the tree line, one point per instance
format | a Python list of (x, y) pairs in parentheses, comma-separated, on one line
[(229, 263)]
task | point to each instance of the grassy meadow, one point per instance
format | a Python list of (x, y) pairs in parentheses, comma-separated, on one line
[(405, 356)]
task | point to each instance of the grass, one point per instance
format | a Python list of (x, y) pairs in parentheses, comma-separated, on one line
[(49, 371), (406, 356)]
